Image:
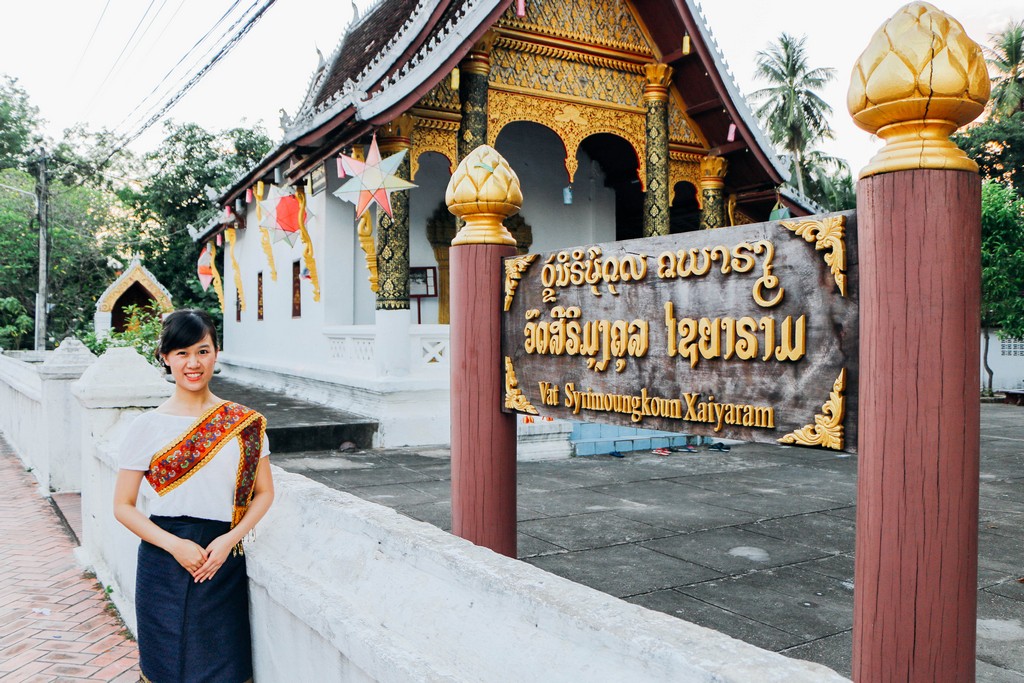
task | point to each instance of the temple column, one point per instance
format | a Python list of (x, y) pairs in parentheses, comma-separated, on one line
[(393, 316), (712, 192), (656, 204), (474, 71)]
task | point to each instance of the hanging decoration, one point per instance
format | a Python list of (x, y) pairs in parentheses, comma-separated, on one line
[(229, 233), (268, 249), (365, 230), (204, 268), (217, 285), (302, 216), (372, 181)]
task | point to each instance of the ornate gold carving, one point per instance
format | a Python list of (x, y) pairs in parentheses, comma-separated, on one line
[(483, 191), (920, 78), (680, 128), (571, 122), (399, 130), (229, 234), (514, 397), (434, 135), (479, 58), (827, 430), (570, 54), (712, 167), (442, 96), (826, 234), (135, 273), (658, 78), (604, 23), (545, 73), (683, 169), (514, 269)]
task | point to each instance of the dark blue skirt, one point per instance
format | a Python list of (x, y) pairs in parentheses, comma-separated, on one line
[(192, 632)]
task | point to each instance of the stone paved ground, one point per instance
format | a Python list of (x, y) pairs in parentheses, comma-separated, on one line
[(757, 543), (53, 620)]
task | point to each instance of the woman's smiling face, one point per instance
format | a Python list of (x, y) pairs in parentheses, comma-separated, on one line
[(192, 366)]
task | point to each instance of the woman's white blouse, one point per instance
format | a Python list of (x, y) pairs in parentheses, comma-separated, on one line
[(207, 494)]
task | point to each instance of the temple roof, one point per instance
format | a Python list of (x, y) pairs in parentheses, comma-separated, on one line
[(388, 59)]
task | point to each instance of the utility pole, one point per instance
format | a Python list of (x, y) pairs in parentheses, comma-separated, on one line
[(42, 294)]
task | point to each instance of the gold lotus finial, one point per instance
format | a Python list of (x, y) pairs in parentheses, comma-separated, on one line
[(484, 191), (920, 78)]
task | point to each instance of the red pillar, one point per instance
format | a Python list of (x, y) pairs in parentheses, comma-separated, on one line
[(915, 597), (483, 437), (483, 191)]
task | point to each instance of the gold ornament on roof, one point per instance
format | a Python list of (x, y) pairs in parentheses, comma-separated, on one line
[(920, 78), (484, 191)]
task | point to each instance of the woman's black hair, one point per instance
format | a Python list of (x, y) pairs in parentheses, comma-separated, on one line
[(182, 329)]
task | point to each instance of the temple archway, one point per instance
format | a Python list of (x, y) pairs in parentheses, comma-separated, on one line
[(135, 286)]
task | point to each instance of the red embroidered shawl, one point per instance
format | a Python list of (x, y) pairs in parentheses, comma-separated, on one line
[(187, 454)]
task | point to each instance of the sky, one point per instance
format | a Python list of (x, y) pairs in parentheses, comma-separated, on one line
[(80, 62)]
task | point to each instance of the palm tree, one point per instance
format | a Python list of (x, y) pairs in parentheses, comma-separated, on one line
[(1007, 56), (793, 112)]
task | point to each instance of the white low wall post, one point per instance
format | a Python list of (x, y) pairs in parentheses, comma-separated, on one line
[(119, 384), (60, 467)]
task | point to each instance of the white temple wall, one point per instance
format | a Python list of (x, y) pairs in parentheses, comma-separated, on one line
[(432, 181), (1006, 358), (278, 337)]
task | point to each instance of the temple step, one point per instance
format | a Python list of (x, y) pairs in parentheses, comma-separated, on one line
[(295, 425)]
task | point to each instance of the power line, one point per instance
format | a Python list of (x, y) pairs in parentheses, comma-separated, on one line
[(224, 50), (120, 54), (185, 56), (81, 57)]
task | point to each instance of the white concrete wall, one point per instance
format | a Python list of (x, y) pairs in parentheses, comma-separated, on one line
[(278, 334), (37, 413), (109, 394), (342, 585), (21, 413), (1006, 358)]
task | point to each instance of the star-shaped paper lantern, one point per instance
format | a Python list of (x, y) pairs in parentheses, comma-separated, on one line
[(372, 181)]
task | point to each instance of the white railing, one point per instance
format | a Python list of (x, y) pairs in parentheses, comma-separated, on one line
[(350, 343), (429, 345)]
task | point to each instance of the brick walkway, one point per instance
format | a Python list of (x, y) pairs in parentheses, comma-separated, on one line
[(53, 622)]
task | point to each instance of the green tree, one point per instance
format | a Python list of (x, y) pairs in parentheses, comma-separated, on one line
[(1002, 264), (1006, 55), (19, 123), (997, 144), (791, 107), (191, 165), (15, 323), (85, 223)]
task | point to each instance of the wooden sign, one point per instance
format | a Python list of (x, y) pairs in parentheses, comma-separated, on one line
[(748, 332)]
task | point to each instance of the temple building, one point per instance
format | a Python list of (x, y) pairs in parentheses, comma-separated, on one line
[(620, 118)]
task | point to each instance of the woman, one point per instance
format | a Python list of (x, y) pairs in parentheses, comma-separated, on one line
[(197, 460)]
